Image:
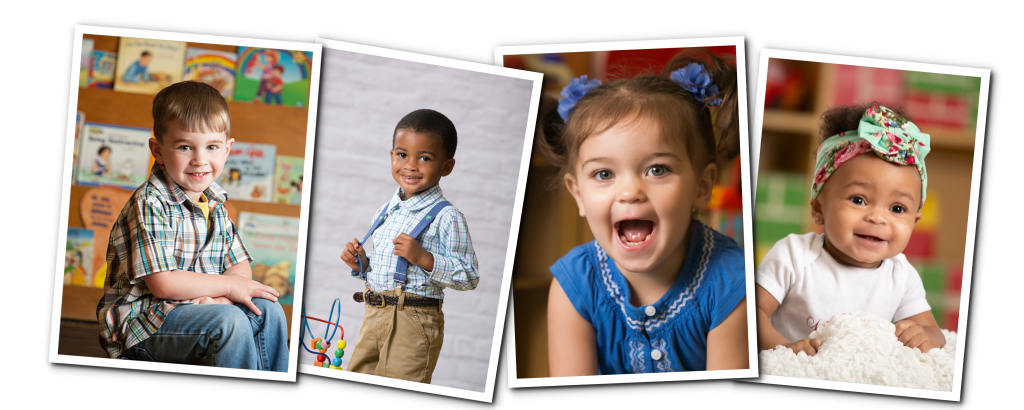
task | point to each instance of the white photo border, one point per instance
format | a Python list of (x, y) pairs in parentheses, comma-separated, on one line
[(748, 238), (58, 287), (506, 282), (972, 220)]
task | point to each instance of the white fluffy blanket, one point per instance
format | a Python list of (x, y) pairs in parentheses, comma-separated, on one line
[(861, 347)]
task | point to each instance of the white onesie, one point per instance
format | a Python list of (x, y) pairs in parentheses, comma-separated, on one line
[(811, 286)]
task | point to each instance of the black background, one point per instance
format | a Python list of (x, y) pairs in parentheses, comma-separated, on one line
[(472, 39)]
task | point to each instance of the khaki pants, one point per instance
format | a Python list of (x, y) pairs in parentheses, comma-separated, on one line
[(400, 342)]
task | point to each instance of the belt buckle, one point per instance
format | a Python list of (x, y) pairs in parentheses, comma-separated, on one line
[(383, 302)]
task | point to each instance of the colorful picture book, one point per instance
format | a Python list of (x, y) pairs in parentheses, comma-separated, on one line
[(113, 155), (147, 66), (273, 243), (269, 76), (79, 129), (78, 268), (216, 68), (288, 180), (101, 75), (83, 75), (249, 172)]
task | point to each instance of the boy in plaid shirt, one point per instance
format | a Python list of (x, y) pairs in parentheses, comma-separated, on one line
[(179, 285), (403, 326)]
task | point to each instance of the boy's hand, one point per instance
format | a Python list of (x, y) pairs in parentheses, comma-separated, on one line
[(349, 255), (809, 346), (408, 248), (912, 335), (207, 300), (243, 290)]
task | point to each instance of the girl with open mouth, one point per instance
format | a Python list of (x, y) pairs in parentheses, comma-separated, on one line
[(657, 290)]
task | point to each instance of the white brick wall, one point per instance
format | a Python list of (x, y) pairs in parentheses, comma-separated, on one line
[(362, 98)]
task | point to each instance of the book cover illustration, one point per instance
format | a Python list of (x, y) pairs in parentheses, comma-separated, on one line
[(113, 155), (269, 76), (147, 66), (249, 172), (83, 72), (288, 180), (101, 73), (273, 243), (78, 268), (216, 68)]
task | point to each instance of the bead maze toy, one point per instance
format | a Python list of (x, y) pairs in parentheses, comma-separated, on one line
[(321, 345)]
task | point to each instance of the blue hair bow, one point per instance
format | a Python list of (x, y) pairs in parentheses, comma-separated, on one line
[(577, 88), (693, 79)]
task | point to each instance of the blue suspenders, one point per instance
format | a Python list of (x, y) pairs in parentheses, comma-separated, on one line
[(403, 264)]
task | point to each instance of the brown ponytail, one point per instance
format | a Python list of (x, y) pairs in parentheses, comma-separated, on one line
[(724, 76)]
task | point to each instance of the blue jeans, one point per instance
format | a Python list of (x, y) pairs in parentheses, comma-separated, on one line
[(228, 335)]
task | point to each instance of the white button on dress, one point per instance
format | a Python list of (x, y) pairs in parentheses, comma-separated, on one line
[(650, 311), (655, 355)]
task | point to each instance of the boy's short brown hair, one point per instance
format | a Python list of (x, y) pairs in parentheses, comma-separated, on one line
[(192, 106)]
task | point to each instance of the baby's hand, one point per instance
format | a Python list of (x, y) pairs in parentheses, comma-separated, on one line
[(809, 346), (408, 248), (912, 335), (349, 255)]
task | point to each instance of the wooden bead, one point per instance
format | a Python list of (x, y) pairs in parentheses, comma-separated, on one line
[(314, 343), (339, 352), (321, 358), (342, 344), (337, 361)]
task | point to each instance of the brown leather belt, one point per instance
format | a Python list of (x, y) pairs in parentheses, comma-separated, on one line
[(377, 300)]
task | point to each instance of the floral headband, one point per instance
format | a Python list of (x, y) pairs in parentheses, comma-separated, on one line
[(882, 131), (692, 78)]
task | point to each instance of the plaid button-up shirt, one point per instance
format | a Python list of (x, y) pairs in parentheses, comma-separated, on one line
[(447, 238), (160, 229)]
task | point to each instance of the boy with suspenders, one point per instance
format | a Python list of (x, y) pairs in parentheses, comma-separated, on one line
[(421, 246)]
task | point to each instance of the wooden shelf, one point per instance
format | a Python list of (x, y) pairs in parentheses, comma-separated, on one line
[(798, 122)]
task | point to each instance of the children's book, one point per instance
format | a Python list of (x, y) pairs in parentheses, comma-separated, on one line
[(275, 77), (273, 243), (101, 75), (83, 72), (79, 129), (216, 68), (147, 66), (78, 269), (249, 172), (288, 180), (113, 155)]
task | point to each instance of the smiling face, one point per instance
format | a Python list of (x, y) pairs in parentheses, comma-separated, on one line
[(193, 160), (636, 191), (869, 208), (418, 161)]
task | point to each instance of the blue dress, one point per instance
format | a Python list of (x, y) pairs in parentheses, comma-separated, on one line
[(671, 334)]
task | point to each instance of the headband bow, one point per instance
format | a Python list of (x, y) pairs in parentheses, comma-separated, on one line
[(692, 78), (890, 136)]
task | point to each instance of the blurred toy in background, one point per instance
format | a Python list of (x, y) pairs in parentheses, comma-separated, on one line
[(787, 86), (725, 211)]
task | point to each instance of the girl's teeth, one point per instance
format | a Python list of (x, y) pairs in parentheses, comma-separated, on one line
[(627, 242)]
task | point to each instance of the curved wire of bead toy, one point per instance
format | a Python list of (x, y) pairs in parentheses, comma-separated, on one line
[(320, 345)]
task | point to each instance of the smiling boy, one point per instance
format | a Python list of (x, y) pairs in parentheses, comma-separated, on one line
[(179, 285), (403, 326)]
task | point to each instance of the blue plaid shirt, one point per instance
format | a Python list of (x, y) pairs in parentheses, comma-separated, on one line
[(160, 229), (447, 238)]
